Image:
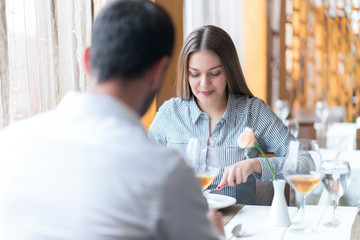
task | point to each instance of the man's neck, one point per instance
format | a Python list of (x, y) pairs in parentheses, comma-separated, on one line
[(129, 93)]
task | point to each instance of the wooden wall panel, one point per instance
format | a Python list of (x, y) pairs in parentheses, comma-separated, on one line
[(255, 46), (167, 90), (175, 9), (321, 54)]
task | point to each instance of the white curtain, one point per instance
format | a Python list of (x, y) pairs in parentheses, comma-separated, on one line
[(98, 4), (4, 67), (41, 46), (225, 14)]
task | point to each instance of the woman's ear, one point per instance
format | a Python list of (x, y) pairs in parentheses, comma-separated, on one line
[(87, 60)]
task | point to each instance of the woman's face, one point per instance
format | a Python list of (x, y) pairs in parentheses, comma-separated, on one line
[(207, 78)]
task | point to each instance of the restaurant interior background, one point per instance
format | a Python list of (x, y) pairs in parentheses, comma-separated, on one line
[(304, 52)]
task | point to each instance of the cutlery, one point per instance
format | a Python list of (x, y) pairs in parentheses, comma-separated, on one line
[(236, 232)]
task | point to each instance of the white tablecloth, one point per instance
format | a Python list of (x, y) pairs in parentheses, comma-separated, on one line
[(316, 216), (257, 227), (255, 220)]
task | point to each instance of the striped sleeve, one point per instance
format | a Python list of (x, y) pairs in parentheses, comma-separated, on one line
[(273, 136)]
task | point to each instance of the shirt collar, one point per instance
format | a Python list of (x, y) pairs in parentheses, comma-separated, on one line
[(97, 105), (195, 111), (229, 114)]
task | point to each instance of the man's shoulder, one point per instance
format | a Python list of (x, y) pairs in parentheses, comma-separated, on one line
[(25, 126), (161, 152), (157, 158)]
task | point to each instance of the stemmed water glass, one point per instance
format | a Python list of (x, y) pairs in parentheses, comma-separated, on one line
[(336, 178), (202, 155), (302, 171), (293, 126), (322, 111), (282, 109)]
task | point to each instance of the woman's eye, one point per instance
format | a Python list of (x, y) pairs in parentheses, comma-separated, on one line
[(194, 74), (215, 74)]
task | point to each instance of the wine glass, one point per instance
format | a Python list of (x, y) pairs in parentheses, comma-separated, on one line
[(302, 171), (293, 126), (336, 178), (202, 155), (322, 111), (282, 109)]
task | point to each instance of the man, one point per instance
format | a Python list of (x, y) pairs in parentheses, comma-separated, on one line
[(87, 169)]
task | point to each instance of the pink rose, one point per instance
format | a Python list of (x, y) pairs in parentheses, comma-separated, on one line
[(247, 138)]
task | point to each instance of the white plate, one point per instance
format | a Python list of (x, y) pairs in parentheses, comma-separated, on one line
[(219, 201)]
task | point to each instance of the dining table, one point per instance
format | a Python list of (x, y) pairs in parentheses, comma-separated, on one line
[(256, 225), (318, 210)]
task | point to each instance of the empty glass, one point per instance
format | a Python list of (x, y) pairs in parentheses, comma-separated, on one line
[(336, 178), (282, 109), (293, 126), (322, 110)]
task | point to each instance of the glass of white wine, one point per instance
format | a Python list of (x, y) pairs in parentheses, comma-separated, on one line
[(336, 178), (302, 171), (202, 155)]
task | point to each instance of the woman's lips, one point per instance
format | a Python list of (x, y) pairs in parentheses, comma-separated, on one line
[(206, 93)]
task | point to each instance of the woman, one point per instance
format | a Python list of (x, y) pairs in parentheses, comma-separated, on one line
[(214, 100)]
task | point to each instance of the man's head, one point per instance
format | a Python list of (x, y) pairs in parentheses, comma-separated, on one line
[(128, 37), (132, 41)]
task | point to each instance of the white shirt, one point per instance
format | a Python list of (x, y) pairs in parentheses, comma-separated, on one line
[(87, 170)]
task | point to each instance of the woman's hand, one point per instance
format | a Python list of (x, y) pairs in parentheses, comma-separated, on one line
[(239, 172)]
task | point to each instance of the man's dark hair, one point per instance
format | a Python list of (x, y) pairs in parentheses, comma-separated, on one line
[(128, 37)]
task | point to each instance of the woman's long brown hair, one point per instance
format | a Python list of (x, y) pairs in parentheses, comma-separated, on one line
[(216, 40)]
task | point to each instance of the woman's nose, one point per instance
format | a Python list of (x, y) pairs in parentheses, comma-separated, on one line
[(204, 80)]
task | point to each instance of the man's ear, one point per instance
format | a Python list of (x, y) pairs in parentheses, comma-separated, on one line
[(87, 60), (157, 72)]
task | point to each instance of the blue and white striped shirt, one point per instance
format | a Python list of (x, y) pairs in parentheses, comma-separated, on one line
[(177, 120)]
